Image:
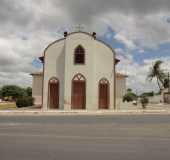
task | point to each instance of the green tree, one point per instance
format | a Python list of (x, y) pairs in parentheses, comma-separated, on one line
[(29, 91), (147, 94), (12, 91), (144, 101), (157, 73), (167, 80), (129, 90), (129, 96), (0, 92), (166, 83)]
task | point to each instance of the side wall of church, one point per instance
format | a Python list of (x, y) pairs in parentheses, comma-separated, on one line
[(103, 68), (120, 90), (54, 66), (37, 89), (120, 87)]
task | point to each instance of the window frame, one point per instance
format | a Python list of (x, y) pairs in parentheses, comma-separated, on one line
[(83, 53)]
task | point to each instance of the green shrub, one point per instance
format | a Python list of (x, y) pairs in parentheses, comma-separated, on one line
[(25, 102), (129, 97), (144, 101), (29, 91), (0, 93), (147, 94)]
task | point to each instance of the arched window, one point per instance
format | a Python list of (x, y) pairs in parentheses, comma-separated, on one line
[(79, 77), (79, 55)]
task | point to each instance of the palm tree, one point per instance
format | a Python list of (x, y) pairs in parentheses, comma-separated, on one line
[(167, 81), (157, 72)]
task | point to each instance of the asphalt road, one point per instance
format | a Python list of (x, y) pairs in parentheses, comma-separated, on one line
[(85, 137)]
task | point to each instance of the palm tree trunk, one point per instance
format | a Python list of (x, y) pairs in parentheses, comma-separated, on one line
[(158, 83)]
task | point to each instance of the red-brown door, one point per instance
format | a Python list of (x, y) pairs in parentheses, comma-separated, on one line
[(103, 95), (78, 95), (54, 94)]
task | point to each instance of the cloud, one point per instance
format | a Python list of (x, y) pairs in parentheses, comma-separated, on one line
[(28, 26), (137, 73), (86, 11), (128, 43)]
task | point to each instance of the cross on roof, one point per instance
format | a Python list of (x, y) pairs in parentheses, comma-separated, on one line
[(79, 27)]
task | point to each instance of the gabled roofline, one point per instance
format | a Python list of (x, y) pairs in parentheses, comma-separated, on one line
[(89, 34), (56, 41)]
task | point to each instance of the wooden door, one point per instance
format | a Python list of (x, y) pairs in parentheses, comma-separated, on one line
[(103, 94), (78, 93), (54, 94)]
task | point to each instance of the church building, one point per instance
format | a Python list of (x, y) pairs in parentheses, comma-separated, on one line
[(79, 73)]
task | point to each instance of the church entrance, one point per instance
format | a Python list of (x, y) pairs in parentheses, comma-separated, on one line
[(103, 94), (78, 98), (54, 93)]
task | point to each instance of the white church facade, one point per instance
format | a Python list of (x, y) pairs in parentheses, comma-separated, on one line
[(79, 72)]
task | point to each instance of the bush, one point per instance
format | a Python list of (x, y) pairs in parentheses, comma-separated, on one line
[(144, 101), (147, 94), (25, 102), (129, 97), (29, 91), (0, 93)]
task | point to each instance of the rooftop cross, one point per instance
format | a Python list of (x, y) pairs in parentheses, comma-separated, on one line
[(79, 27)]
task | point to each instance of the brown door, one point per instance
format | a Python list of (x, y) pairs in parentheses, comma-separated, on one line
[(78, 95), (103, 95), (54, 94)]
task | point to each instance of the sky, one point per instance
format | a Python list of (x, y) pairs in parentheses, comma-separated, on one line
[(138, 30)]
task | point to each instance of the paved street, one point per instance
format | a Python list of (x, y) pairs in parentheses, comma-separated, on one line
[(117, 137)]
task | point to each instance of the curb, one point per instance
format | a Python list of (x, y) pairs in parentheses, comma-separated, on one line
[(59, 113)]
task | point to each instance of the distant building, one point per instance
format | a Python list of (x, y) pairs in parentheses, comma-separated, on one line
[(78, 73), (166, 96)]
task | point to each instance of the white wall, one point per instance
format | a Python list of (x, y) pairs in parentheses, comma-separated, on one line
[(120, 87), (103, 68), (120, 90), (98, 64), (59, 62), (37, 89), (54, 67)]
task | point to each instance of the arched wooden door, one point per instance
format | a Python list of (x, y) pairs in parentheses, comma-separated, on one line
[(53, 93), (78, 97), (104, 94)]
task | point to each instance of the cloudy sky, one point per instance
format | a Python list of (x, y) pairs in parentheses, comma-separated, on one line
[(139, 31)]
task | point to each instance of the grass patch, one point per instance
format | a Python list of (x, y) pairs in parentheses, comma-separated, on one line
[(7, 105)]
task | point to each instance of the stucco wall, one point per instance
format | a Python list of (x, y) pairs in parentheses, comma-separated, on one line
[(54, 67), (37, 89), (98, 64), (103, 68), (59, 62), (120, 90), (120, 87)]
